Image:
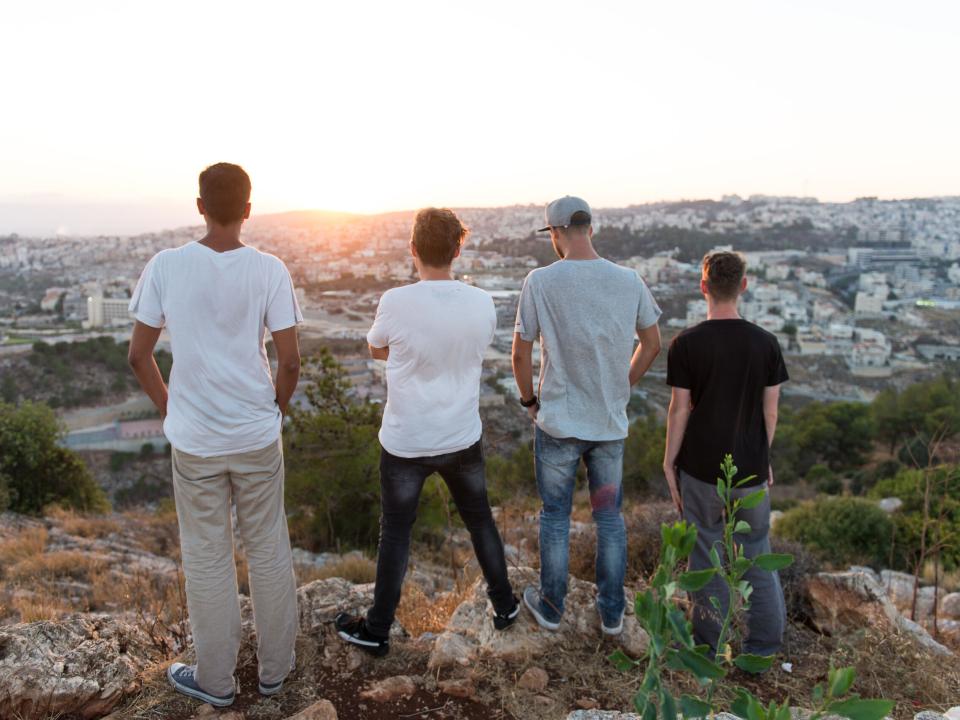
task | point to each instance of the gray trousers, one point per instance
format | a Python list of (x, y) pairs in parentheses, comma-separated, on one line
[(766, 617)]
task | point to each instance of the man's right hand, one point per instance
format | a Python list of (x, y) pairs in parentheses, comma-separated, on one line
[(533, 410), (673, 484)]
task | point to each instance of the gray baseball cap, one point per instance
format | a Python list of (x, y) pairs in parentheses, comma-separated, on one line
[(560, 212)]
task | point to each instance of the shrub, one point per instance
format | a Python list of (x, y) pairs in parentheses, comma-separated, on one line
[(824, 480), (35, 471), (841, 530)]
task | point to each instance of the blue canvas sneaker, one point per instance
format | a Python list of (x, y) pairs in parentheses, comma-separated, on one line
[(182, 678)]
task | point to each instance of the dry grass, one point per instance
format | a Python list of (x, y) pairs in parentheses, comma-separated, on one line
[(418, 613), (70, 564), (28, 544), (949, 581), (36, 608), (87, 526), (358, 570)]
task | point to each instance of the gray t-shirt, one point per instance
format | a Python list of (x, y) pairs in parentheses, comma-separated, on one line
[(586, 314)]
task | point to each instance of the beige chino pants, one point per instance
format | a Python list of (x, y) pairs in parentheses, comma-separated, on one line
[(204, 488)]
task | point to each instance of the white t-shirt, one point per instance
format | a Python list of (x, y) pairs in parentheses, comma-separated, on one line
[(437, 331), (216, 307)]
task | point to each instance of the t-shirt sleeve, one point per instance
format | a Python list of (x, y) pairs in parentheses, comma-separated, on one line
[(528, 324), (648, 312), (777, 372), (379, 334), (678, 372), (146, 304), (283, 310)]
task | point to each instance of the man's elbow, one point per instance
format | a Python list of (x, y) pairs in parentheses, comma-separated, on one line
[(290, 365), (136, 358)]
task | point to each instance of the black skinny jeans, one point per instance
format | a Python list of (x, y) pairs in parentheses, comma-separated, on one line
[(401, 481)]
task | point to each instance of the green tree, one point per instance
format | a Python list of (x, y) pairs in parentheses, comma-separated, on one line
[(333, 476), (35, 471), (643, 454)]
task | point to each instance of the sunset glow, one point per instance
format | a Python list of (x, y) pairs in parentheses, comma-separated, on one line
[(370, 107)]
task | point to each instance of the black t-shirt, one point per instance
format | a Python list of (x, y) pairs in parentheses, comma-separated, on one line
[(725, 364)]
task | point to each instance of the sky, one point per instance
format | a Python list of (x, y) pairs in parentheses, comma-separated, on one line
[(110, 109)]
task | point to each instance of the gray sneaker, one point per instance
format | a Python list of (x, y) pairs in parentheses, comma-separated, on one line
[(611, 630), (182, 678), (534, 603), (268, 689)]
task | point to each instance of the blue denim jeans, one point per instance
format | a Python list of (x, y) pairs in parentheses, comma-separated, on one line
[(557, 460)]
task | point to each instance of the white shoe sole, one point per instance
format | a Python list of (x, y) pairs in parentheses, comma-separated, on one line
[(199, 694), (541, 620)]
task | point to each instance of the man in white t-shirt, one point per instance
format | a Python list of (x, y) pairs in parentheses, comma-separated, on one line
[(222, 414), (433, 335)]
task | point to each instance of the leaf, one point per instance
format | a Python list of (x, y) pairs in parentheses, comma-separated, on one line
[(692, 707), (741, 705), (643, 606), (742, 526), (681, 628), (753, 663), (741, 565), (715, 557), (620, 661), (773, 561), (858, 709), (817, 694), (745, 480), (841, 680), (668, 706), (695, 580), (687, 542), (700, 665), (748, 502)]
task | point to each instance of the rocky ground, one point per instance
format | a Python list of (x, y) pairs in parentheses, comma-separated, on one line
[(93, 614)]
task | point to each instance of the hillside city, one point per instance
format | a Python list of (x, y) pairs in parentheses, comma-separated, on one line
[(861, 294)]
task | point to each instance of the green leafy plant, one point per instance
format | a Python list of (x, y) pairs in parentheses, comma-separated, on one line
[(672, 646)]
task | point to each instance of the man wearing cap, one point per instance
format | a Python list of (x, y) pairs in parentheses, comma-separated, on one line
[(586, 312)]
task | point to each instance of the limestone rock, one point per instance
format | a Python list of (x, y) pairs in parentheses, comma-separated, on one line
[(594, 714), (391, 688), (950, 606), (82, 665), (534, 679), (847, 600), (320, 601), (868, 570), (321, 710), (209, 712), (899, 588), (470, 633)]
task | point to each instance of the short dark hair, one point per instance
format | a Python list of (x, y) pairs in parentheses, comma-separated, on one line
[(723, 272), (437, 235), (225, 191)]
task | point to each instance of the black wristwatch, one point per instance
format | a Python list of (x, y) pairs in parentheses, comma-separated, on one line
[(530, 403)]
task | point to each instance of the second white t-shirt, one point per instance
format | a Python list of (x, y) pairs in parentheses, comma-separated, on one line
[(437, 332), (217, 307)]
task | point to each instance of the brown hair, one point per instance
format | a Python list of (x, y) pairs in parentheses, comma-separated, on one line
[(225, 191), (723, 272), (437, 235)]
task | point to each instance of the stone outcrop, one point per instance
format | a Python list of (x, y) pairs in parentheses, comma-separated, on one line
[(470, 633), (322, 710), (950, 606), (319, 603), (399, 687), (78, 666), (846, 600), (899, 588)]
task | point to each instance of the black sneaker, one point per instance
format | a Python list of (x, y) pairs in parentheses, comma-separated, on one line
[(353, 629), (505, 620)]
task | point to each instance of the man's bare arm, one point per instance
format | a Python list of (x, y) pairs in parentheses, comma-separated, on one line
[(287, 347), (771, 398), (677, 417), (144, 365), (646, 353), (379, 353), (523, 371)]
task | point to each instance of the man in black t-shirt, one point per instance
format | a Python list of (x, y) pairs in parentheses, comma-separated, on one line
[(726, 375)]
